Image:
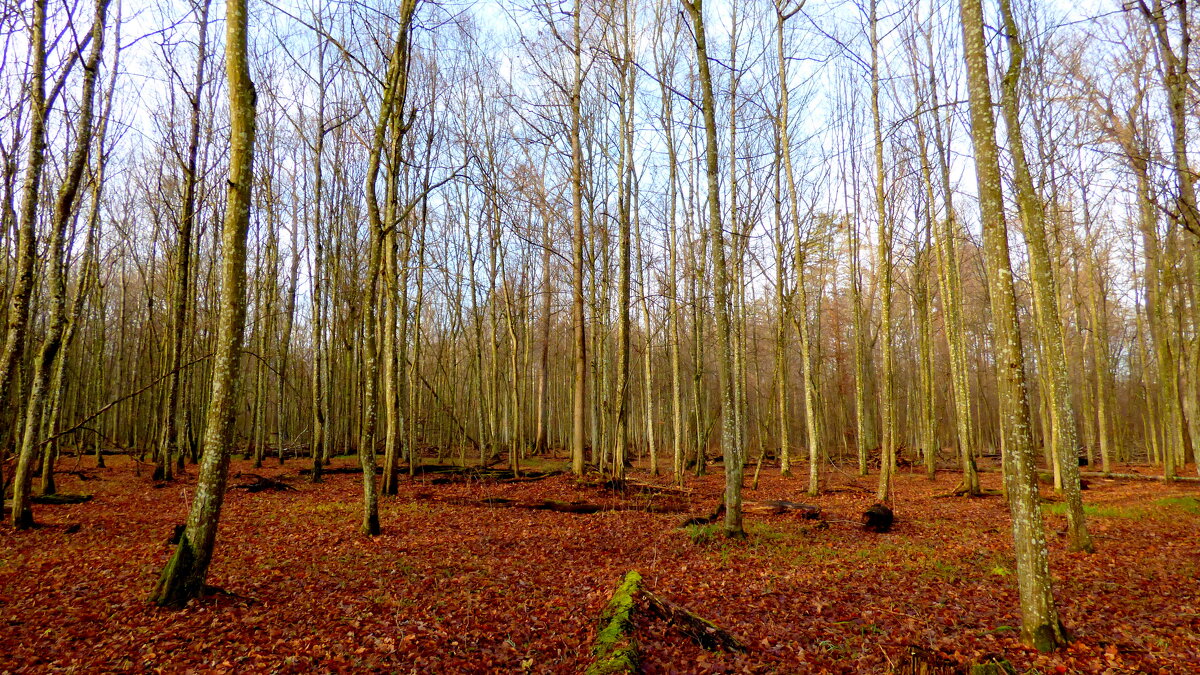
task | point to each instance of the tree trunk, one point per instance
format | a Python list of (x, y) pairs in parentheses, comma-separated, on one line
[(1040, 625), (1045, 293), (579, 400), (729, 440), (183, 577), (64, 210), (887, 404)]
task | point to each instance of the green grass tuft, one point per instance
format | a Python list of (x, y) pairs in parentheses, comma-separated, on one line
[(702, 534), (1189, 505), (1097, 511)]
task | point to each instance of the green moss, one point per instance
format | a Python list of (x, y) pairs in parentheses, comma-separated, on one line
[(615, 649), (624, 660)]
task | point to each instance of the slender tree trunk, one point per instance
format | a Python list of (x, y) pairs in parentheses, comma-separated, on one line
[(887, 458), (285, 344), (800, 312), (64, 210), (951, 285), (579, 401), (647, 354), (183, 577), (624, 224), (391, 114), (22, 284), (674, 318), (781, 302), (320, 408), (168, 444), (1040, 625), (541, 440), (729, 440), (1045, 292)]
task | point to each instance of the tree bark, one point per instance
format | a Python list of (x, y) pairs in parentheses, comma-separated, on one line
[(1032, 213), (729, 440), (1040, 625), (64, 210), (183, 577)]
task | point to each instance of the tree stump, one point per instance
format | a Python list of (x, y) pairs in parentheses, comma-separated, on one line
[(878, 518)]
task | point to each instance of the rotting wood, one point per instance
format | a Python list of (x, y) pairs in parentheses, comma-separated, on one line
[(615, 649), (712, 517), (696, 628), (850, 488)]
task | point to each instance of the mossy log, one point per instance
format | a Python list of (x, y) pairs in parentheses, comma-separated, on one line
[(616, 650)]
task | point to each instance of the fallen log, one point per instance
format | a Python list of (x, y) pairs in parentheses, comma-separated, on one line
[(50, 499), (441, 474), (712, 517), (616, 650), (962, 491), (262, 484), (626, 485), (774, 506), (564, 507), (330, 470), (850, 488), (767, 507), (696, 628), (60, 499)]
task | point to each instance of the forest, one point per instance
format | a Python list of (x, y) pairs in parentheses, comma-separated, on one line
[(604, 336)]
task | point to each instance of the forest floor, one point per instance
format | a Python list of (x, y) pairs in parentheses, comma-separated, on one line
[(454, 587)]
